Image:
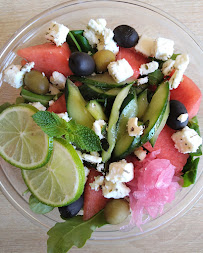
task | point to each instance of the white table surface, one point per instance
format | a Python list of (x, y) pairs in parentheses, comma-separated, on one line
[(19, 235)]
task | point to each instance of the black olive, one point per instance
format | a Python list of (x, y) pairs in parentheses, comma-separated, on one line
[(176, 109), (72, 209), (125, 36), (81, 64)]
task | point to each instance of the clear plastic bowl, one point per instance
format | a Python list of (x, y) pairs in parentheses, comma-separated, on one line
[(75, 14)]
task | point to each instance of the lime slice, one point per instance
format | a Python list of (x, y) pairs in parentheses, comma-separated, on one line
[(22, 142), (61, 181)]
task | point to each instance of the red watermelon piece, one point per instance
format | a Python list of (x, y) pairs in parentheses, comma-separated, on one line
[(134, 58), (94, 201), (48, 58), (189, 94), (59, 105), (167, 149)]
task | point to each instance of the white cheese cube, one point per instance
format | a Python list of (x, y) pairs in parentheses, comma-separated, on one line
[(91, 158), (163, 48), (87, 171), (120, 172), (145, 45), (111, 46), (116, 191), (187, 140), (58, 80), (175, 80), (133, 128), (167, 67), (57, 33), (120, 70), (53, 90), (97, 25), (39, 106), (13, 76), (92, 38), (181, 62), (183, 117), (100, 167), (27, 67), (140, 153), (97, 127), (98, 181), (147, 68), (143, 80), (64, 116)]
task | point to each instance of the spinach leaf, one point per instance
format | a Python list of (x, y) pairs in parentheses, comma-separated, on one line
[(156, 77), (37, 207), (190, 171), (75, 231)]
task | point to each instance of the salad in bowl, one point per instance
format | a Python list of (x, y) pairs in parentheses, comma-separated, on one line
[(104, 130)]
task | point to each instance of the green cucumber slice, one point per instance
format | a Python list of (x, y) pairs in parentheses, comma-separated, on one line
[(143, 103), (125, 143), (102, 81), (96, 110), (114, 116), (155, 112), (76, 105), (32, 97)]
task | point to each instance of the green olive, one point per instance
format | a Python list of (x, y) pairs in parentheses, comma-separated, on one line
[(102, 59), (36, 82), (116, 211)]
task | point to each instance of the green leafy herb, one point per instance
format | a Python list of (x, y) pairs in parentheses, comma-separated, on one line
[(174, 56), (190, 171), (83, 137), (75, 41), (4, 106), (193, 123), (75, 231), (37, 207), (156, 77)]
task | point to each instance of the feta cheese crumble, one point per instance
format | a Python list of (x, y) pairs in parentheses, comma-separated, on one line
[(14, 74), (163, 48), (187, 140), (91, 158), (117, 191), (53, 90), (140, 153), (100, 167), (143, 80), (147, 68), (39, 106), (167, 67), (183, 117), (145, 45), (57, 33), (58, 80), (51, 102), (98, 181), (120, 70), (133, 128), (120, 172), (97, 127), (64, 116)]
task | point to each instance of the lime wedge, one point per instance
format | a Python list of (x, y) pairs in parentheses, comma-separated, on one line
[(61, 181), (22, 142)]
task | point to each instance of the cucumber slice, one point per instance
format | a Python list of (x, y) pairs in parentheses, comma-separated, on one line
[(125, 144), (102, 81), (89, 92), (141, 88), (155, 112), (32, 97), (76, 105), (143, 103), (163, 122), (96, 110), (114, 116)]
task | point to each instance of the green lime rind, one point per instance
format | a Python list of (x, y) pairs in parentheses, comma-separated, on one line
[(22, 142), (61, 181)]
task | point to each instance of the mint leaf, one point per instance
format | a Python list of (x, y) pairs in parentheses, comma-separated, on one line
[(4, 106), (83, 137), (50, 123), (190, 171), (37, 207), (156, 77), (74, 231)]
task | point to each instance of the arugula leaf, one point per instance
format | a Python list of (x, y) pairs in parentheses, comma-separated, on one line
[(74, 231), (4, 106), (37, 207), (190, 171), (156, 77), (83, 137)]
